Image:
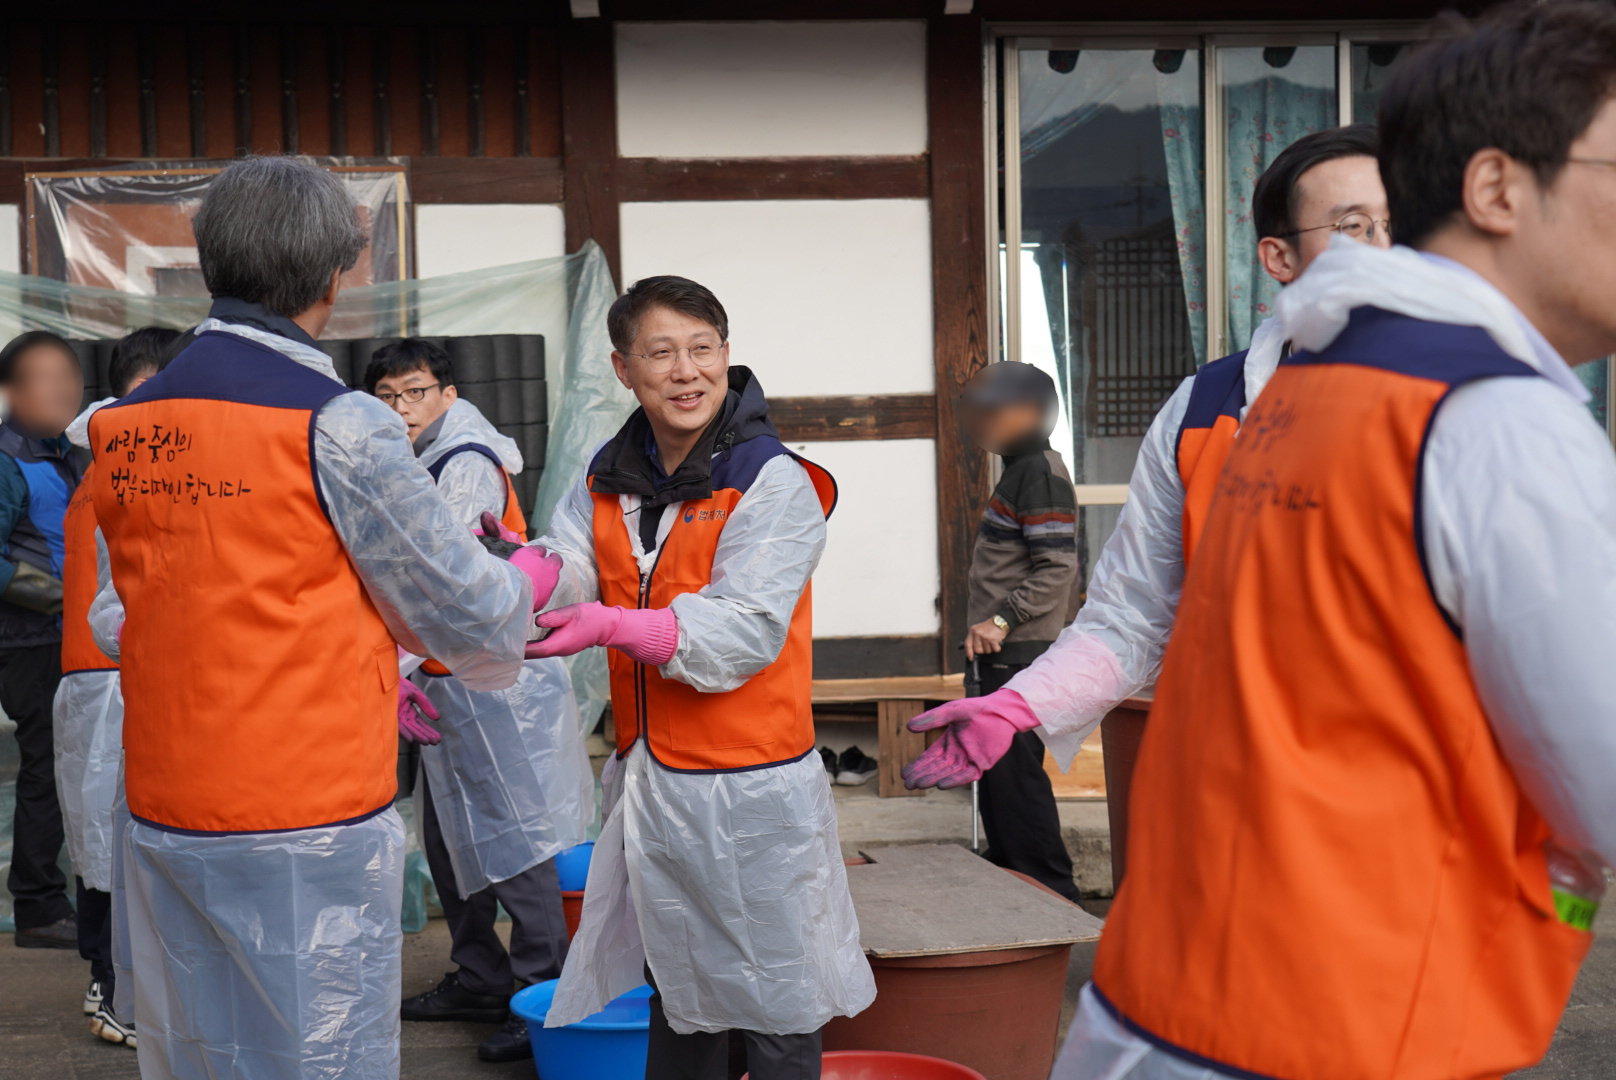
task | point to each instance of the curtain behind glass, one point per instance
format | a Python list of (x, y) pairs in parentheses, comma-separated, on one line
[(1271, 97), (1179, 91)]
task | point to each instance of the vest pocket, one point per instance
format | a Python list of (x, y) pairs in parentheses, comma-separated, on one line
[(387, 667)]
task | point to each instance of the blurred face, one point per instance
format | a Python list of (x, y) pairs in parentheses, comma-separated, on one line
[(417, 397), (1001, 428), (1339, 197), (46, 389), (681, 400)]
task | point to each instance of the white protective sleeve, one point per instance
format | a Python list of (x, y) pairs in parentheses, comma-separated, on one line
[(735, 626), (472, 485), (439, 591), (1114, 648), (106, 610), (1520, 532)]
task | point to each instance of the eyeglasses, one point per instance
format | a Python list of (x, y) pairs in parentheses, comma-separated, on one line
[(1360, 227), (413, 396), (703, 355), (1589, 161)]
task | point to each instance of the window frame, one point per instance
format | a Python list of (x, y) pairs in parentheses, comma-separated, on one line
[(1003, 45)]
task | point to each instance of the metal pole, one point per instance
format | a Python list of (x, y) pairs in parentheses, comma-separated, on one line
[(973, 688), (976, 844)]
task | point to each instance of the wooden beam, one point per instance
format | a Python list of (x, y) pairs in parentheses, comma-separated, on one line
[(846, 419), (486, 180), (677, 179), (959, 299), (589, 137)]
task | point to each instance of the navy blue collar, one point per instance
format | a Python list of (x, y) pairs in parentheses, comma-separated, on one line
[(229, 309)]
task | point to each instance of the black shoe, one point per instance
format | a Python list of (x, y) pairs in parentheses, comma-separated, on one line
[(855, 767), (451, 1001), (107, 1025), (61, 934), (828, 756), (509, 1043)]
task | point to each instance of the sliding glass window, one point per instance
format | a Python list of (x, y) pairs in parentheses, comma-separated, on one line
[(1127, 254)]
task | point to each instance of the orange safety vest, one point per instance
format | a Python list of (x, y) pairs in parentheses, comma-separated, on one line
[(79, 585), (767, 720), (1332, 870), (260, 684), (512, 517), (1207, 434)]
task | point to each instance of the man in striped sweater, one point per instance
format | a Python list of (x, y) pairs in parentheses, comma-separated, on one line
[(1023, 582)]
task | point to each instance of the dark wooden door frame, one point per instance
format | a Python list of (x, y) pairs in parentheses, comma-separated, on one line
[(954, 54), (589, 138)]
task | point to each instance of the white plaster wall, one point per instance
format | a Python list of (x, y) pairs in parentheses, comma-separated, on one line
[(824, 297), (452, 238), (879, 574), (10, 239), (771, 89)]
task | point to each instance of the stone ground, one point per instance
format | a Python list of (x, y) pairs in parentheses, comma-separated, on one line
[(43, 1036)]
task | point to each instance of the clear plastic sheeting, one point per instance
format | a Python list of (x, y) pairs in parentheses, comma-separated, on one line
[(511, 780), (291, 968), (88, 729)]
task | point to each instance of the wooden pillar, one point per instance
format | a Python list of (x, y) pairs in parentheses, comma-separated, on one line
[(954, 95), (589, 137), (899, 745)]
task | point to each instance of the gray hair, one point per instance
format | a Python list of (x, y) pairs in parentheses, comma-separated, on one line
[(272, 230)]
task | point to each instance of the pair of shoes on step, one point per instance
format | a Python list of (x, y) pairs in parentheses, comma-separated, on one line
[(853, 768), (451, 1001)]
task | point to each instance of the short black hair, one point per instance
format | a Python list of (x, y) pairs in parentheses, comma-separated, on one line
[(27, 340), (403, 357), (1273, 202), (675, 293), (137, 352), (1526, 78)]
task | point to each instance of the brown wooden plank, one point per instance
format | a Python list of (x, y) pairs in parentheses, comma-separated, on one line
[(896, 688), (27, 81), (264, 78), (1120, 734), (544, 95), (123, 92), (404, 90), (589, 110), (218, 90), (359, 90), (486, 180), (73, 91), (670, 179), (844, 419), (959, 299), (313, 90), (940, 900), (453, 137), (899, 745), (173, 87), (499, 47)]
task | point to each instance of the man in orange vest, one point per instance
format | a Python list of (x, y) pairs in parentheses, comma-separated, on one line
[(273, 541), (88, 712), (687, 550), (1375, 792), (1323, 185)]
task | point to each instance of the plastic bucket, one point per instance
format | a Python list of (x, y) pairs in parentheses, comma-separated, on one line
[(611, 1045), (890, 1065), (572, 909), (572, 866)]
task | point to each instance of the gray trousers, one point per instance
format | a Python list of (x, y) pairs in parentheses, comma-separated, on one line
[(533, 900), (704, 1055)]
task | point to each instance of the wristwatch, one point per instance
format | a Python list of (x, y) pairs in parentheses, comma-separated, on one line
[(1001, 623)]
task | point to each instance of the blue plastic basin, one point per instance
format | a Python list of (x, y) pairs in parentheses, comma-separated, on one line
[(611, 1045), (573, 866)]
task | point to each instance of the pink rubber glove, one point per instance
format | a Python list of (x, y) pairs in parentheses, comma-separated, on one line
[(412, 707), (542, 568), (648, 635), (978, 735)]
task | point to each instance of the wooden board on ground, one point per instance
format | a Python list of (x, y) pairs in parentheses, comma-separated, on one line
[(1086, 778), (937, 899)]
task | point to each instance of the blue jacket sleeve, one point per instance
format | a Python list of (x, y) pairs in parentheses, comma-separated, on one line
[(13, 505)]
